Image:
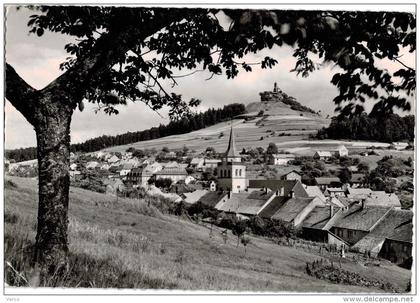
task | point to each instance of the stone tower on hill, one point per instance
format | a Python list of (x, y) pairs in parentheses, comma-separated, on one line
[(231, 172), (274, 96)]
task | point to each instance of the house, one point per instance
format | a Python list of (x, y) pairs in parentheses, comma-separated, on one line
[(105, 166), (358, 193), (280, 159), (399, 145), (334, 192), (125, 169), (212, 198), (73, 166), (314, 191), (396, 227), (175, 174), (382, 199), (113, 159), (398, 245), (92, 165), (341, 151), (211, 164), (288, 188), (139, 175), (189, 179), (292, 175), (245, 203), (315, 227), (292, 210), (193, 197), (359, 220), (324, 182), (322, 155), (197, 164), (357, 180)]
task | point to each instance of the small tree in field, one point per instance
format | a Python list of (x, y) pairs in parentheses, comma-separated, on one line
[(122, 54), (238, 229), (245, 241)]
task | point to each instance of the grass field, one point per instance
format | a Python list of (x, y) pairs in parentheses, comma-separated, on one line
[(127, 244)]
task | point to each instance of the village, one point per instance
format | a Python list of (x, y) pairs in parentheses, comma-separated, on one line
[(336, 208)]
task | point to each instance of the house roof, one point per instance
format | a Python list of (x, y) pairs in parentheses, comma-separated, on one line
[(245, 203), (136, 170), (327, 180), (381, 198), (172, 171), (274, 185), (271, 208), (193, 197), (358, 192), (181, 188), (314, 191), (360, 218), (291, 208), (211, 198), (196, 161), (283, 156), (212, 161), (335, 189), (319, 217), (323, 153), (396, 225)]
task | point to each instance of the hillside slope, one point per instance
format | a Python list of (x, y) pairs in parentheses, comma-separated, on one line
[(279, 124), (161, 251)]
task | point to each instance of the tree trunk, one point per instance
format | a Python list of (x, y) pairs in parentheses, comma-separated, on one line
[(53, 138)]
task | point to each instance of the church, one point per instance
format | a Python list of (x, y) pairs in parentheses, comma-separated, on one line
[(231, 172)]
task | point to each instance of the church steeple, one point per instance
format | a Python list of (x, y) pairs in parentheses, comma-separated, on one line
[(231, 153)]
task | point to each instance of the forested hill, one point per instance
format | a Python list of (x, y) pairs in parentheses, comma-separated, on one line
[(182, 126), (390, 128)]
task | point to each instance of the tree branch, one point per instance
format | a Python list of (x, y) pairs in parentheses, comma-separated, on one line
[(20, 94)]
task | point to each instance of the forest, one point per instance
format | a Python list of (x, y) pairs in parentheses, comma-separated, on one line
[(185, 125), (385, 128)]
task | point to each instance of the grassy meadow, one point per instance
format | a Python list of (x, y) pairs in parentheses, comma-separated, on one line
[(128, 244)]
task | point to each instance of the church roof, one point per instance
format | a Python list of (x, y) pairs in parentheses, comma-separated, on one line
[(231, 150)]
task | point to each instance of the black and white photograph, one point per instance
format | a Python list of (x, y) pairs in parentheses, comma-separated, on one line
[(211, 149)]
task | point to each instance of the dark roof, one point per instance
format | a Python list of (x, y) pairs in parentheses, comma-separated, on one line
[(212, 198), (327, 180), (273, 207), (231, 150), (360, 218), (136, 170), (319, 217), (289, 210), (397, 225), (274, 184)]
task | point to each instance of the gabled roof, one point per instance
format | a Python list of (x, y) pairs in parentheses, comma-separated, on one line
[(362, 218), (193, 197), (319, 217), (245, 203), (383, 199), (274, 185), (327, 180), (358, 192), (196, 161), (323, 153), (291, 208), (211, 198), (271, 208), (314, 191)]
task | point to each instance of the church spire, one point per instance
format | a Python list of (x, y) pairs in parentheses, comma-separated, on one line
[(231, 153)]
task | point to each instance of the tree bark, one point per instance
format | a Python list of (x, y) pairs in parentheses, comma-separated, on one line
[(53, 151)]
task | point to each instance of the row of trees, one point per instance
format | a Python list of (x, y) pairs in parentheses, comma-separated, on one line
[(386, 128), (181, 126)]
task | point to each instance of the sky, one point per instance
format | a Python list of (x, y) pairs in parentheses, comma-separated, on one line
[(36, 60)]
